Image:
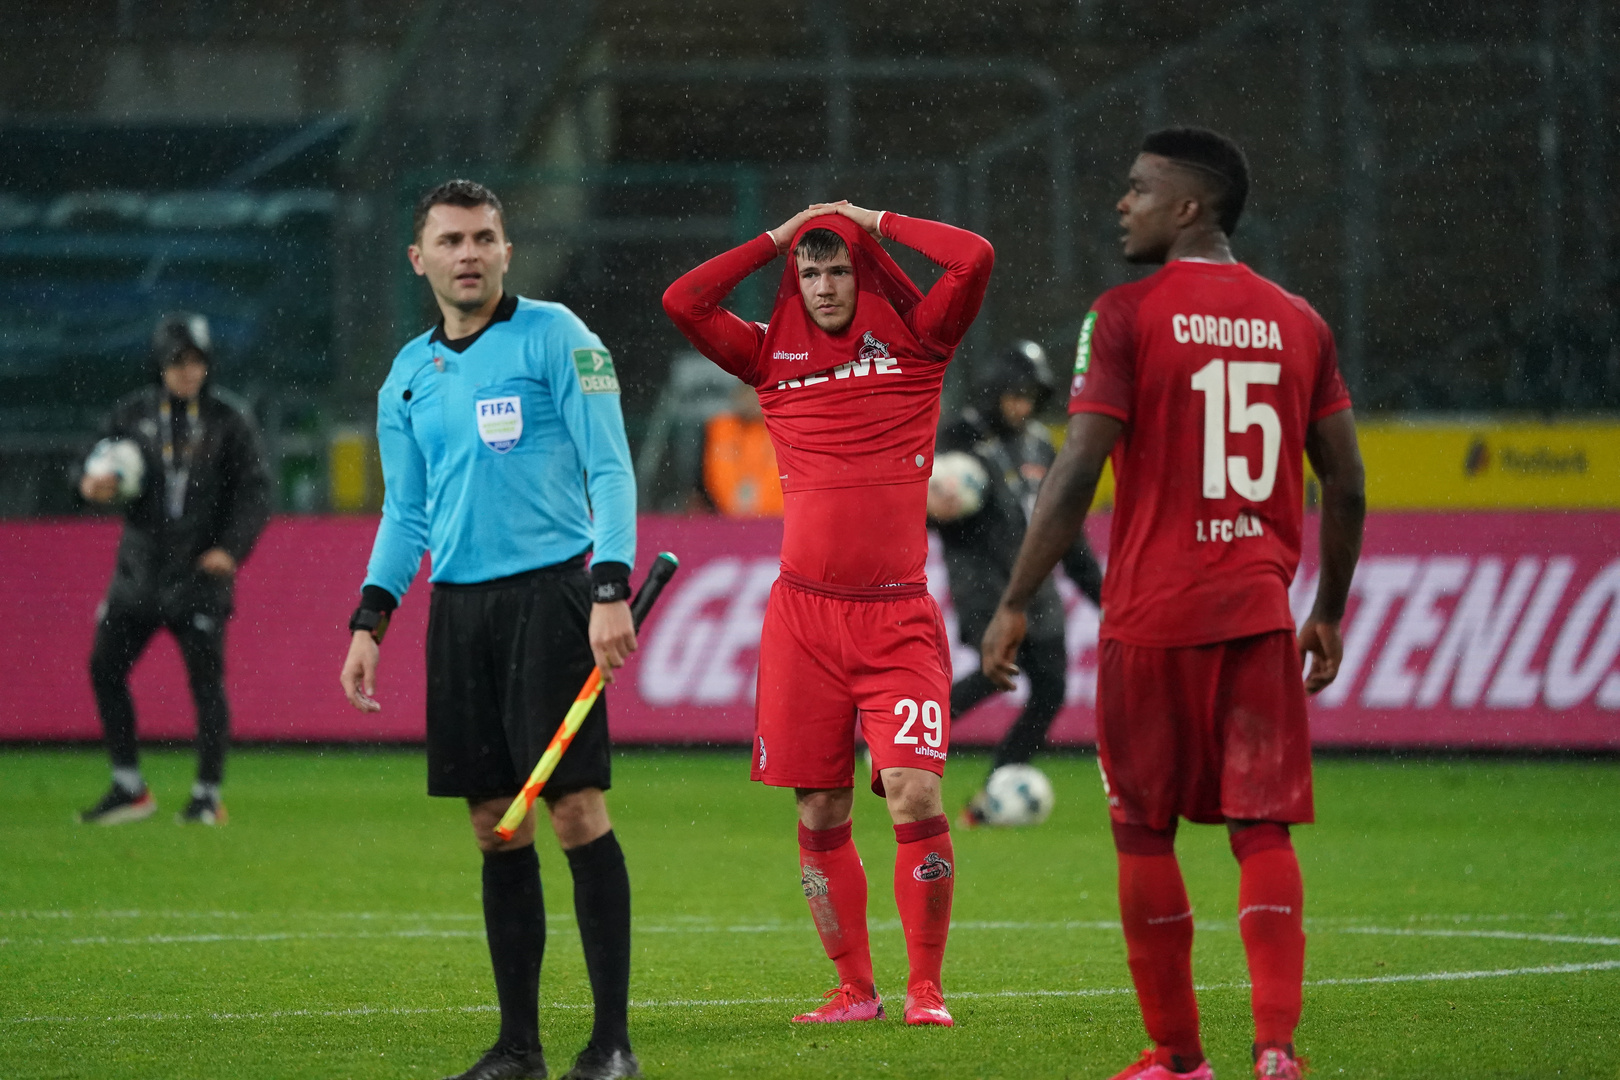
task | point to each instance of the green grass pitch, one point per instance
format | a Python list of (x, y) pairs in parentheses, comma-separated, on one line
[(1464, 920)]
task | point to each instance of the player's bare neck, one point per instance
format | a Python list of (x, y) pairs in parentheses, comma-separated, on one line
[(1206, 245)]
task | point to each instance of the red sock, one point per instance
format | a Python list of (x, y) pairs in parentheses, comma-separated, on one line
[(835, 885), (1271, 916), (1158, 939), (924, 880)]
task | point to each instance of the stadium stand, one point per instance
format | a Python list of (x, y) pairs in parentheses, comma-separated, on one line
[(1434, 178)]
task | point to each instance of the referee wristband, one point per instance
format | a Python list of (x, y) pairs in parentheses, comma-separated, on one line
[(372, 622), (610, 582), (610, 592)]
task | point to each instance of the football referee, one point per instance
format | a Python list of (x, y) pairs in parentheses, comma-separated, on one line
[(504, 455)]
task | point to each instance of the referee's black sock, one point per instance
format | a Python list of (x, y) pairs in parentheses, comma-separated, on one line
[(602, 906), (515, 924)]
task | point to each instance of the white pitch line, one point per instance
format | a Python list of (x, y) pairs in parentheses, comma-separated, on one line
[(1549, 916), (1500, 935), (1103, 991), (695, 926), (879, 925), (211, 939), (402, 916), (1452, 976)]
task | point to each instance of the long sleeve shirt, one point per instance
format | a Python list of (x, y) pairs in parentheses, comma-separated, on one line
[(503, 452), (855, 441)]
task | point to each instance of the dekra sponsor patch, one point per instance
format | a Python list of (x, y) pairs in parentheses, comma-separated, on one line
[(595, 370)]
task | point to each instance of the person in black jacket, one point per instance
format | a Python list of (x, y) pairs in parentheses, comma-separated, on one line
[(1014, 451), (203, 500)]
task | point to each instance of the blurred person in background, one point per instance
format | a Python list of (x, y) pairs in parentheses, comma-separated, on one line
[(740, 477), (203, 499), (1015, 450)]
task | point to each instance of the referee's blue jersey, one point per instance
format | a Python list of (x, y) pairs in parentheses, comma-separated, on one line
[(494, 458)]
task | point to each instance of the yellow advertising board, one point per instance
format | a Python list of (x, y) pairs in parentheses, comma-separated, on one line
[(1487, 463), (1491, 464)]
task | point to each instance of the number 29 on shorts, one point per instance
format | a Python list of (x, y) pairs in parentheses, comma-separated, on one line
[(933, 722)]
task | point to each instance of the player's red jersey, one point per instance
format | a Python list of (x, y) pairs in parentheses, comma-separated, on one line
[(1216, 373), (852, 415)]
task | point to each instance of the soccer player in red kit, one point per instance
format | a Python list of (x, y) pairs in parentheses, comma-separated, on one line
[(849, 371), (1208, 385)]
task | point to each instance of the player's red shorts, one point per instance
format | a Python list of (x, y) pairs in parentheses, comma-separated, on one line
[(1207, 732), (828, 656)]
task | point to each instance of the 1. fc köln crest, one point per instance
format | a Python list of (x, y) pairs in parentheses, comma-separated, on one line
[(872, 348), (932, 868)]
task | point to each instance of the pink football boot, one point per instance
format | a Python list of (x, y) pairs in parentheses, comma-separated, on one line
[(1147, 1067), (844, 1004)]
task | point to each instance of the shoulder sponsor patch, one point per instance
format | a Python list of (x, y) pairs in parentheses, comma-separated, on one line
[(595, 370), (1082, 351), (500, 422)]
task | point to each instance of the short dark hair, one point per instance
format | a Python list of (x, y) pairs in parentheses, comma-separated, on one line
[(819, 244), (467, 193), (1214, 157)]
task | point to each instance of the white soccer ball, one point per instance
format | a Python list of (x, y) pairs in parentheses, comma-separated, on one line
[(956, 488), (1017, 795), (120, 458)]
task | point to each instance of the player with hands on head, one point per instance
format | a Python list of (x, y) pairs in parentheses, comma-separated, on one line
[(504, 455), (1207, 385), (849, 370)]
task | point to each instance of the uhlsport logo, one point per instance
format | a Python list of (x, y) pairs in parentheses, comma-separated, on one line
[(781, 355), (762, 753), (814, 883), (932, 868), (872, 348), (500, 422)]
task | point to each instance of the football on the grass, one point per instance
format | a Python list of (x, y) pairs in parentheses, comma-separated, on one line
[(956, 488), (1017, 795)]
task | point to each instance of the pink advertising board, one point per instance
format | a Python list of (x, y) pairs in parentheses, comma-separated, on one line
[(1464, 630)]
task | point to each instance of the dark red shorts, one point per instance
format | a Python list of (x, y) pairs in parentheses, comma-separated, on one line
[(827, 661), (1207, 732)]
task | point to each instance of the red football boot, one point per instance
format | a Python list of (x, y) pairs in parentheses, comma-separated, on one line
[(844, 1004), (1148, 1067)]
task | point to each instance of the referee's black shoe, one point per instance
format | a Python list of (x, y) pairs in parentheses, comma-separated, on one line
[(594, 1063), (504, 1063)]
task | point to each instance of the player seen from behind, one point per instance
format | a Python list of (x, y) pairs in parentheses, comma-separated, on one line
[(503, 453), (1207, 384), (849, 371), (1015, 451)]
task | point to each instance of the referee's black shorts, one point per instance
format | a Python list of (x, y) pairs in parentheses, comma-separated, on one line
[(505, 660)]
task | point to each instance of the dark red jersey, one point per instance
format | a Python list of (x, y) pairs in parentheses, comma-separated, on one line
[(852, 415), (1216, 373)]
